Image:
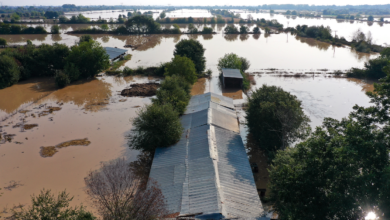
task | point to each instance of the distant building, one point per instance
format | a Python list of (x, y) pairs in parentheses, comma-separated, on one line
[(115, 53), (207, 173), (232, 78)]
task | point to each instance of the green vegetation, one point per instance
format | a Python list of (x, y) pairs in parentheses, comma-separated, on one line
[(232, 61), (142, 25), (370, 18), (342, 170), (55, 29), (256, 30), (155, 126), (84, 60), (207, 30), (163, 15), (276, 119), (318, 32), (244, 29), (182, 66), (74, 19), (18, 29), (374, 68), (9, 71), (231, 29), (174, 91), (46, 206), (3, 42), (194, 50)]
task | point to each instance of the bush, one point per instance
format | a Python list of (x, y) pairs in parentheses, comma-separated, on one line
[(194, 50), (155, 126), (231, 61), (85, 38), (231, 29), (207, 30), (276, 119), (182, 66), (55, 29), (256, 30), (245, 64), (62, 80), (3, 42), (9, 71), (47, 206), (127, 71)]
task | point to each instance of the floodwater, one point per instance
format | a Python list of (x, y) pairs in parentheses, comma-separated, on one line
[(107, 14), (94, 109), (343, 28)]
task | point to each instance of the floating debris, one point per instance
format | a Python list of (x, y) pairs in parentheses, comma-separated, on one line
[(48, 151), (29, 126), (24, 111), (123, 100)]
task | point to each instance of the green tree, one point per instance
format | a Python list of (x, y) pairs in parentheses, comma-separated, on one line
[(85, 38), (15, 17), (194, 50), (62, 80), (231, 61), (182, 66), (244, 29), (9, 71), (174, 91), (46, 206), (142, 25), (104, 27), (256, 30), (155, 126), (3, 42), (276, 119), (382, 19), (231, 29), (89, 57), (207, 30), (55, 29), (163, 15), (370, 18)]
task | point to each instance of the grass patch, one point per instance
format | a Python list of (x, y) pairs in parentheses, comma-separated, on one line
[(48, 151)]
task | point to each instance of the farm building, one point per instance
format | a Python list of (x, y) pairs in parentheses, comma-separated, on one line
[(115, 53), (231, 78), (207, 173)]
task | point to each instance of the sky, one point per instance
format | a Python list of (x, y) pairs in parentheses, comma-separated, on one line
[(184, 2)]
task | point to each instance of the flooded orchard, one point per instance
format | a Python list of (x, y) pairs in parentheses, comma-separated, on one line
[(94, 111)]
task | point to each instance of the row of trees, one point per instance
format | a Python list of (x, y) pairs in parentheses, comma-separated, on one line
[(83, 60), (20, 29), (158, 124), (231, 29)]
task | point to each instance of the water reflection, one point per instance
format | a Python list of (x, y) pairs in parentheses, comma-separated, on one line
[(207, 36), (18, 38), (314, 43), (56, 37), (141, 167), (231, 37), (256, 36), (244, 37)]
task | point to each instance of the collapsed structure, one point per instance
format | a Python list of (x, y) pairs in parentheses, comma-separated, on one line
[(207, 173)]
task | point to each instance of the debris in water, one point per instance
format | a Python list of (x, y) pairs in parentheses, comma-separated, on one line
[(12, 185), (29, 126), (24, 111), (137, 89), (137, 106), (48, 151), (123, 100)]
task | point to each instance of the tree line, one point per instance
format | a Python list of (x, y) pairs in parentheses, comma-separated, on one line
[(83, 60)]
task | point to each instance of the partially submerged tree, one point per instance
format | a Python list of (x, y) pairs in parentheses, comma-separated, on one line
[(46, 206), (276, 119), (120, 194), (55, 29), (182, 66), (155, 126), (194, 50), (9, 71)]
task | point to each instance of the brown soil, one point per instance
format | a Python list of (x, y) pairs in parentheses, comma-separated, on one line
[(48, 151), (29, 126), (83, 142), (146, 89)]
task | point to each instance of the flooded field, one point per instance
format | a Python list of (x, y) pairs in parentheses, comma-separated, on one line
[(34, 114), (343, 28)]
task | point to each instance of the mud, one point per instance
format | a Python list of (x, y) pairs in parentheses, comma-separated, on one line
[(144, 90), (80, 142), (48, 151)]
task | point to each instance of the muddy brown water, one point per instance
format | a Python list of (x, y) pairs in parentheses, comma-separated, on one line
[(95, 110)]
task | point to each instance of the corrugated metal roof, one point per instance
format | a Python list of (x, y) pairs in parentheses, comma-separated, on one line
[(200, 102), (208, 170), (232, 73), (114, 52)]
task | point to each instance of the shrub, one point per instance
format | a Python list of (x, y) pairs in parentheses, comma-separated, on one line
[(62, 80), (276, 119), (182, 66), (231, 61), (207, 30), (244, 29), (127, 71), (245, 64), (194, 50), (55, 29), (155, 126), (85, 38), (9, 71), (3, 42), (256, 30), (231, 29)]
